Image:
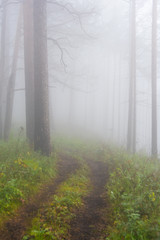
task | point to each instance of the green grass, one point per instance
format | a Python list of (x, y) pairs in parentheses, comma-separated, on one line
[(22, 172), (133, 189), (55, 222), (78, 147), (134, 193)]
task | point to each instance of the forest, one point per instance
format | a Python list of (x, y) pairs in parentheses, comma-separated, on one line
[(79, 120)]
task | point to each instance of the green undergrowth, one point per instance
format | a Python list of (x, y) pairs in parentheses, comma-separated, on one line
[(134, 192), (54, 222), (88, 149), (22, 172)]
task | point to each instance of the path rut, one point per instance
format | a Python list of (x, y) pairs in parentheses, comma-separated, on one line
[(90, 222), (15, 228)]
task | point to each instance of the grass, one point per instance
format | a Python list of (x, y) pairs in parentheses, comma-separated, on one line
[(54, 223), (134, 192), (22, 172), (133, 189), (78, 147)]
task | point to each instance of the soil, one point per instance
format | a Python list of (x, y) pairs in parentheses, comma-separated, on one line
[(90, 222), (15, 228)]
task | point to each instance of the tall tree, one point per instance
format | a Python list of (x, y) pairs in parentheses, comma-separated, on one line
[(154, 78), (29, 68), (11, 81), (2, 62), (41, 98), (131, 136)]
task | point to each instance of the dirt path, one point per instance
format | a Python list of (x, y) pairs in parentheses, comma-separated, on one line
[(90, 222), (15, 228)]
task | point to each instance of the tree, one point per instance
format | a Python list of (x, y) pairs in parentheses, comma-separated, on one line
[(29, 68), (154, 79), (131, 137), (11, 82), (2, 63), (41, 98)]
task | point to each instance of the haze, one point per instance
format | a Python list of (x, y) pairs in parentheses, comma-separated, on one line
[(90, 62)]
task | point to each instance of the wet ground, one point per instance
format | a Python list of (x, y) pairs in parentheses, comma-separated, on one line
[(15, 228), (90, 222)]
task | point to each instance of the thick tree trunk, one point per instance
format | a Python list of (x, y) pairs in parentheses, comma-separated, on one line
[(2, 65), (41, 100), (29, 68), (131, 136), (11, 82), (154, 79)]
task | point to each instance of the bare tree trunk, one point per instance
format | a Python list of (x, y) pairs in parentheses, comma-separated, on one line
[(2, 65), (108, 64), (86, 107), (131, 136), (71, 116), (154, 78), (11, 82), (113, 97), (41, 100), (119, 99), (29, 68)]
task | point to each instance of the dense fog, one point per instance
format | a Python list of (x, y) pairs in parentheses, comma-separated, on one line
[(89, 68)]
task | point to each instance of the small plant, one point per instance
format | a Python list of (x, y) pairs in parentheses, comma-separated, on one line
[(22, 173), (134, 194), (54, 223)]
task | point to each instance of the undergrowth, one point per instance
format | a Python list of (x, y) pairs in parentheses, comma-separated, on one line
[(22, 172), (54, 223), (134, 192), (78, 147)]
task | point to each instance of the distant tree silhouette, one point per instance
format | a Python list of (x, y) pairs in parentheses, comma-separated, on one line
[(29, 68), (131, 136), (2, 61), (154, 79), (11, 81)]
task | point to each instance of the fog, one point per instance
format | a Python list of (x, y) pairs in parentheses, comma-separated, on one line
[(89, 68)]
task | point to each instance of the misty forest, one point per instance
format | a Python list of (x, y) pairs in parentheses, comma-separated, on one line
[(79, 120)]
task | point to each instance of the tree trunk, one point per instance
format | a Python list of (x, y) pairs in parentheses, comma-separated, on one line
[(2, 65), (113, 98), (41, 98), (71, 116), (11, 82), (29, 68), (131, 137), (154, 79), (119, 99)]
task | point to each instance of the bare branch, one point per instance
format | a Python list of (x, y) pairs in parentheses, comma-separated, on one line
[(7, 3), (61, 50), (71, 87), (75, 14), (23, 89)]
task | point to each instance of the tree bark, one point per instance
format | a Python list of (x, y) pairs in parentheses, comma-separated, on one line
[(29, 68), (41, 96), (131, 136), (154, 79), (2, 65), (11, 82)]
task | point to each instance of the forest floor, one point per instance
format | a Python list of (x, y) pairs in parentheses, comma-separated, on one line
[(78, 194), (90, 193), (15, 228), (90, 220)]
